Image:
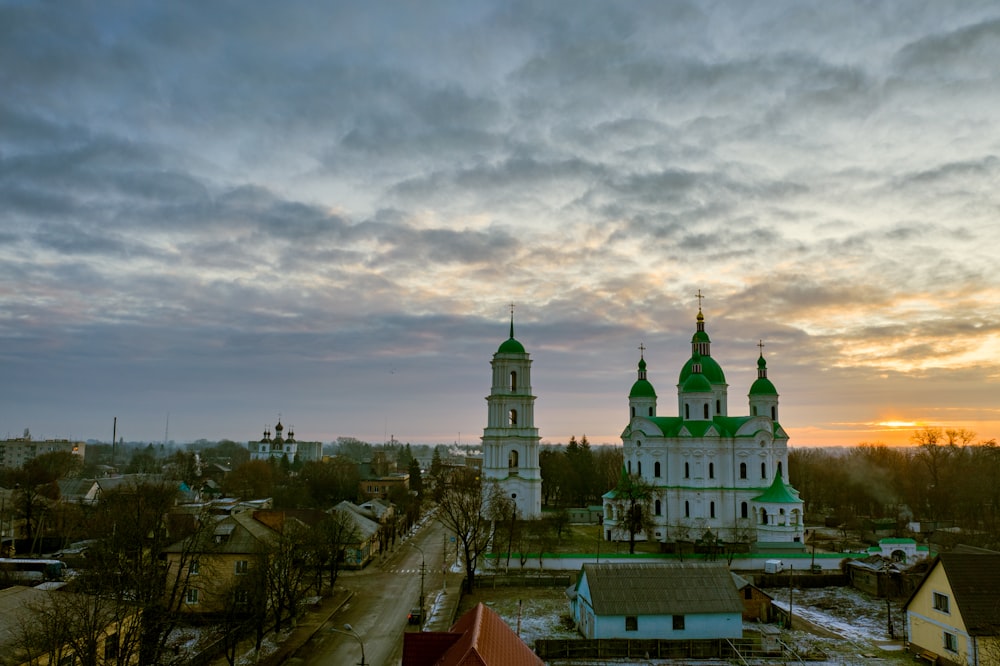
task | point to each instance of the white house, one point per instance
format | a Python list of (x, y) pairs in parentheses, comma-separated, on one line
[(663, 600)]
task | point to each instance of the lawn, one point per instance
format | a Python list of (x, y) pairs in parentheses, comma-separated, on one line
[(585, 540)]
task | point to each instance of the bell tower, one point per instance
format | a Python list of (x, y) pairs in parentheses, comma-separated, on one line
[(510, 439)]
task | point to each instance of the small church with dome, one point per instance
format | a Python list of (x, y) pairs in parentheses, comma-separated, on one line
[(714, 477)]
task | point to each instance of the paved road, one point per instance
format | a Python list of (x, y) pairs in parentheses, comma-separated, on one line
[(384, 592)]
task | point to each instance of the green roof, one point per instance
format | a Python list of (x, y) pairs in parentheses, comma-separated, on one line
[(763, 386), (511, 346), (642, 389), (696, 383), (727, 426), (778, 493), (709, 368)]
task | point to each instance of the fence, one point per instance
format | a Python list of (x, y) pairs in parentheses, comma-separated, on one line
[(622, 648)]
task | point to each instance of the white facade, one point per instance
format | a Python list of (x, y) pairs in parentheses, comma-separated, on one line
[(714, 476), (510, 439)]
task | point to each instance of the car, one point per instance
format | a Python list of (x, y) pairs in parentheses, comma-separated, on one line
[(415, 617)]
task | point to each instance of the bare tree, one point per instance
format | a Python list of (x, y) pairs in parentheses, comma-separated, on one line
[(633, 495), (462, 509)]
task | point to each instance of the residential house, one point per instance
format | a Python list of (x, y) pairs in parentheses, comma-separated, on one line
[(953, 615), (663, 600), (757, 604), (478, 638), (359, 554)]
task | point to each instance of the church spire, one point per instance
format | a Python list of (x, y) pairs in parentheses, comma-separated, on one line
[(512, 321)]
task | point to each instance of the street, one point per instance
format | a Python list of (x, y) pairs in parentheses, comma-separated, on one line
[(384, 592)]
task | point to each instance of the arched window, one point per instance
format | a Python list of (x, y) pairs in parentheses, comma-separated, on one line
[(687, 509), (763, 516), (657, 508), (629, 466), (512, 458), (779, 469), (718, 406), (687, 411), (633, 411), (743, 470), (656, 469), (513, 380), (774, 413), (687, 471), (711, 509), (763, 470), (743, 510), (706, 410), (639, 467), (513, 417), (711, 470), (651, 411)]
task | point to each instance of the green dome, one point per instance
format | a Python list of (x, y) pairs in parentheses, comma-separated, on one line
[(763, 386), (700, 336), (642, 389), (511, 346), (696, 383), (709, 368)]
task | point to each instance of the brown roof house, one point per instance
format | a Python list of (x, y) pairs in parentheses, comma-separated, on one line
[(954, 614), (663, 600), (478, 638)]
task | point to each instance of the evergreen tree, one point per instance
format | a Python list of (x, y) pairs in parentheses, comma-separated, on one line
[(416, 481)]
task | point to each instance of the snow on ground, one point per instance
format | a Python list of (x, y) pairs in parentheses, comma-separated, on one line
[(843, 610)]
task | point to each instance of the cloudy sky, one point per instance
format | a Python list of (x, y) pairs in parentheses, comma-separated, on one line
[(215, 213)]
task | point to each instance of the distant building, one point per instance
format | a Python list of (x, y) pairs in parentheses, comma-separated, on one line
[(714, 476), (15, 452), (279, 446), (510, 439)]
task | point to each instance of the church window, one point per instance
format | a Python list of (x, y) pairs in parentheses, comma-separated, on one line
[(656, 469), (650, 411), (743, 470), (633, 412), (513, 380), (754, 413), (629, 466), (687, 509), (687, 411), (779, 469), (657, 508), (631, 623), (711, 470), (774, 414), (711, 508), (763, 516), (639, 465), (678, 623), (513, 417), (743, 510), (687, 471), (512, 459), (706, 410), (718, 406), (763, 470)]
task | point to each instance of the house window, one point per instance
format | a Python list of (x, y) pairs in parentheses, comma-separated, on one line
[(192, 595), (656, 469), (941, 602), (513, 380), (950, 642), (111, 646), (657, 508), (513, 417), (631, 623), (678, 623), (241, 567), (242, 597), (748, 592), (711, 470), (743, 470), (194, 568)]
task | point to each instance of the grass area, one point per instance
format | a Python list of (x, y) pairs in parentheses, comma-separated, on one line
[(585, 540)]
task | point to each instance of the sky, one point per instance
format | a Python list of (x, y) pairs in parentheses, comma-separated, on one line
[(216, 215)]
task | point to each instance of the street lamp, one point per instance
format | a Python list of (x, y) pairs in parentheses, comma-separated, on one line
[(349, 630), (423, 568)]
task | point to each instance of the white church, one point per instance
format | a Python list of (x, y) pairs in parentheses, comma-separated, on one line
[(510, 439), (714, 476)]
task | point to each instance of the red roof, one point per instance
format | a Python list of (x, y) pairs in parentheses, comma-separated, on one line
[(479, 638)]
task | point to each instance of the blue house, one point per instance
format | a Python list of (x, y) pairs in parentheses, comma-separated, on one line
[(665, 600)]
